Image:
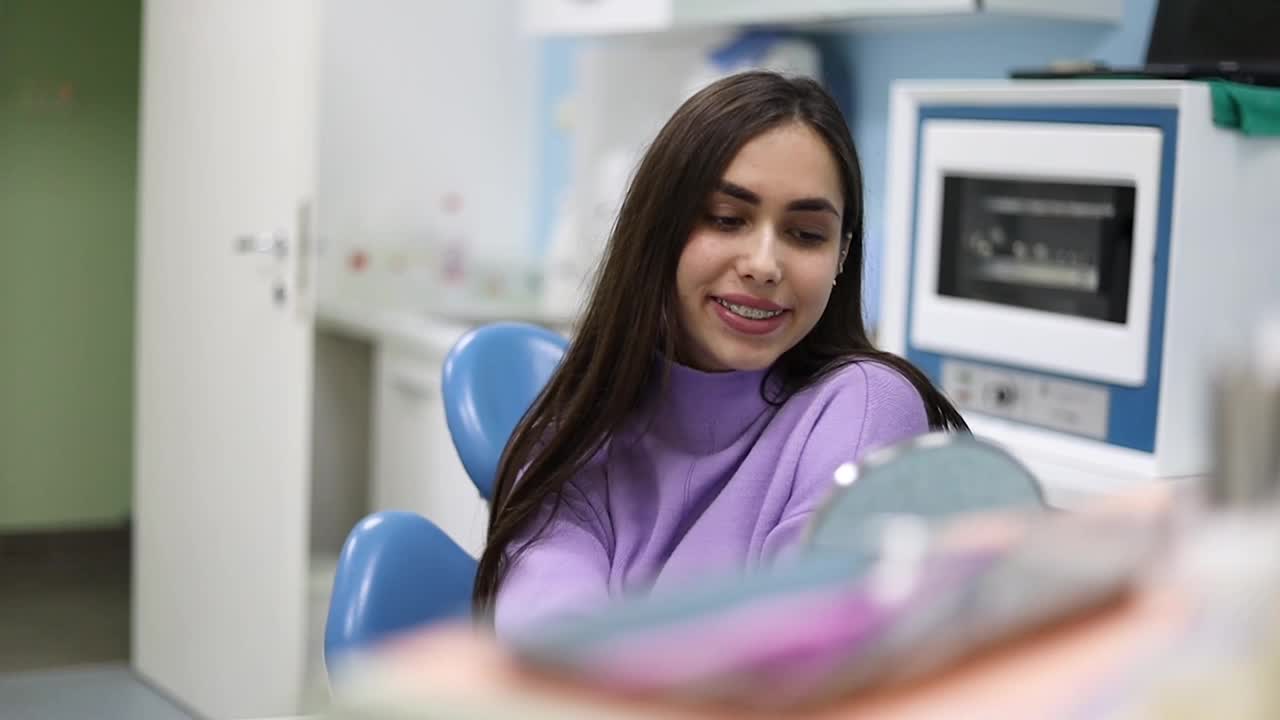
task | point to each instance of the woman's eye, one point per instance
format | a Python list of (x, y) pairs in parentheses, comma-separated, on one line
[(725, 222), (808, 237)]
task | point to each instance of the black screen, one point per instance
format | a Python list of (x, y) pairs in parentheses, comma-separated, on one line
[(1214, 31), (1061, 247)]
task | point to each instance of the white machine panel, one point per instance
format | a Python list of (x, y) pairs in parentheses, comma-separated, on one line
[(1082, 155)]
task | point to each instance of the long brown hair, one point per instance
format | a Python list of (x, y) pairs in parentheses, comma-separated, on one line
[(609, 366)]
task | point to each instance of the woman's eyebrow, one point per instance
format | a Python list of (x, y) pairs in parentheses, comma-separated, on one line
[(813, 204), (739, 192)]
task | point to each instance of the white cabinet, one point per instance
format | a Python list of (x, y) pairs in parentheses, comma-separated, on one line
[(807, 11), (415, 466), (634, 16), (596, 16)]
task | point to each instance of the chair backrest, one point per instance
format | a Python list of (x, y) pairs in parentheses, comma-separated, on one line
[(397, 571), (491, 377)]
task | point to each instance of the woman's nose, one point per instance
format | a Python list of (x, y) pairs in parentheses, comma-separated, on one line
[(759, 260)]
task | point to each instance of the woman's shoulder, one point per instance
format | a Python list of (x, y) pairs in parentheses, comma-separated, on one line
[(865, 399), (861, 388), (873, 379)]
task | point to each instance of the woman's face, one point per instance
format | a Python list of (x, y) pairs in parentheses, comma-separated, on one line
[(758, 269)]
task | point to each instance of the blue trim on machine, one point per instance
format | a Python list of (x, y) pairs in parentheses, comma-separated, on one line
[(1133, 410)]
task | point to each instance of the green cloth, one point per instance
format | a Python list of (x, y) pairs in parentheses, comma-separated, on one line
[(1251, 109)]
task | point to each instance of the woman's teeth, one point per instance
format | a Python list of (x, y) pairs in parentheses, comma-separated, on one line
[(749, 313)]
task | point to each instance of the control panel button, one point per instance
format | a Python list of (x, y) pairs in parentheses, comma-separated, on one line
[(1076, 407)]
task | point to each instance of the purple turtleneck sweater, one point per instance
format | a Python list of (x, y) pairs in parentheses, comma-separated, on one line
[(707, 478)]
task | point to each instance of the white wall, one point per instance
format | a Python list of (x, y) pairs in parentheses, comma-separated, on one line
[(421, 100)]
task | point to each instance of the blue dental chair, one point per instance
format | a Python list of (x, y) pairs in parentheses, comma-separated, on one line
[(491, 377), (397, 570)]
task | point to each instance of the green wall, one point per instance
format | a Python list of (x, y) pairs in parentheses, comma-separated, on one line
[(69, 72)]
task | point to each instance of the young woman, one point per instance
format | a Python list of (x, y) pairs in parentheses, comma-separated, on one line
[(721, 372)]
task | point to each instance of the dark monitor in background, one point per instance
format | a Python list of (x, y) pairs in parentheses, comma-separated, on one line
[(1196, 39), (1206, 32)]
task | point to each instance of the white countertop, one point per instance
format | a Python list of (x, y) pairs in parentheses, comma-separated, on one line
[(424, 329)]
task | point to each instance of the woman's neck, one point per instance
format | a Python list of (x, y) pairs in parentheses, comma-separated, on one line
[(702, 410)]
